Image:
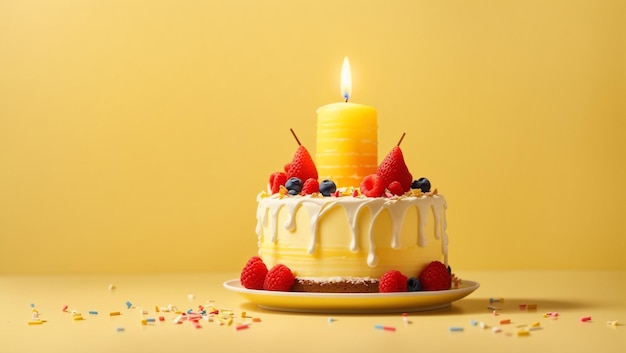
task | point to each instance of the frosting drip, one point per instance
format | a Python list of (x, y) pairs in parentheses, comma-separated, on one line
[(316, 207)]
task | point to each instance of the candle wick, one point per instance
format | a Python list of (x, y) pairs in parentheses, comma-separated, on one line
[(296, 137)]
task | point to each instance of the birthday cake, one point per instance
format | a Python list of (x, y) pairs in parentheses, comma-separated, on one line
[(379, 231)]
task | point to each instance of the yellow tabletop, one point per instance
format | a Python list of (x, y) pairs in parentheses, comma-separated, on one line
[(561, 298)]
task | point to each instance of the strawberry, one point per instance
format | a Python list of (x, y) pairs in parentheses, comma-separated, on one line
[(310, 186), (277, 180), (253, 274), (393, 168), (392, 281), (395, 188), (302, 165), (279, 278), (435, 276), (372, 186)]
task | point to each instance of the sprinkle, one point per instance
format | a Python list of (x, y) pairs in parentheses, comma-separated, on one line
[(483, 325), (114, 313), (258, 319), (144, 321), (405, 318), (156, 308), (491, 307), (35, 315), (178, 319), (496, 300), (385, 328), (191, 297), (111, 288), (35, 322), (64, 308), (32, 305), (523, 333), (161, 318), (331, 320), (504, 322), (129, 304), (522, 306), (473, 322), (496, 329), (455, 329), (150, 319), (77, 317), (585, 318), (552, 314), (243, 326), (495, 313), (119, 329), (612, 323), (535, 324), (93, 312)]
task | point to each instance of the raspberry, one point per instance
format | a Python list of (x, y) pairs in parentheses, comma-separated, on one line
[(302, 165), (372, 186), (253, 274), (310, 186), (279, 278), (435, 276), (395, 188), (277, 180), (392, 281), (393, 168)]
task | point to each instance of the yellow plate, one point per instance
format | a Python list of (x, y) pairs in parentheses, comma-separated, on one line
[(352, 302)]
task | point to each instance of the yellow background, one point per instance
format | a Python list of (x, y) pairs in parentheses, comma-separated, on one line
[(135, 135)]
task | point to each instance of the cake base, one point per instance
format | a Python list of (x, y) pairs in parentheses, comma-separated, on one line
[(358, 285)]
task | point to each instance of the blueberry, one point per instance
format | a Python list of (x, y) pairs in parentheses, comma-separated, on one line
[(327, 187), (294, 184), (421, 183), (293, 192), (413, 285)]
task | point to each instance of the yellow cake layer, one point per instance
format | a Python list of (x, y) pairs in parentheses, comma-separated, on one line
[(351, 237)]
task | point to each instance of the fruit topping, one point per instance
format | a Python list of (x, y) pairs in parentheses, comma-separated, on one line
[(327, 187), (277, 180), (294, 185), (393, 168), (279, 278), (302, 165), (392, 281), (413, 285), (435, 276), (422, 184), (395, 188), (372, 186), (253, 274), (310, 186)]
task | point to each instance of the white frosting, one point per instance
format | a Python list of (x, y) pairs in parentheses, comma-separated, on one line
[(316, 207)]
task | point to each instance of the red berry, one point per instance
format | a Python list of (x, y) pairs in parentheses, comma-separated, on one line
[(393, 168), (395, 188), (372, 186), (392, 281), (253, 274), (310, 186), (302, 165), (435, 276), (279, 278), (277, 180)]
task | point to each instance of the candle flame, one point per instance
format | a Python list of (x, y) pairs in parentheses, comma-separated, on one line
[(346, 79)]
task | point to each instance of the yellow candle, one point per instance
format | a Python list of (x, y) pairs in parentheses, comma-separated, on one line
[(347, 142)]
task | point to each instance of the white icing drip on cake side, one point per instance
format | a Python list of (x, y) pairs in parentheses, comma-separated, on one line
[(316, 207)]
